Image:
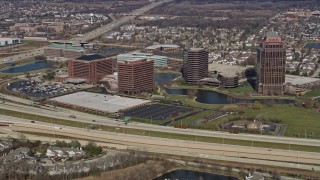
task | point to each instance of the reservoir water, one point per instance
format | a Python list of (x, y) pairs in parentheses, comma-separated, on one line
[(212, 97), (193, 175), (33, 66), (164, 78)]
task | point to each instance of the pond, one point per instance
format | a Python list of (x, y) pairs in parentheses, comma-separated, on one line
[(186, 174), (33, 66), (164, 78), (312, 45), (212, 97)]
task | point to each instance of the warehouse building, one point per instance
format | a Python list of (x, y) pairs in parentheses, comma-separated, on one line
[(159, 61), (135, 76), (9, 41)]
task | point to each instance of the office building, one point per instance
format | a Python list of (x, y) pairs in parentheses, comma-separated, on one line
[(271, 59), (195, 65), (90, 68), (135, 76)]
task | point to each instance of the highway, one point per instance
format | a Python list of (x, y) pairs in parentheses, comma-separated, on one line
[(24, 55), (274, 157), (62, 113), (88, 36), (99, 31)]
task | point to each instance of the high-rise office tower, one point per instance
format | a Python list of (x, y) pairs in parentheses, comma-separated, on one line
[(135, 76), (195, 65), (271, 60)]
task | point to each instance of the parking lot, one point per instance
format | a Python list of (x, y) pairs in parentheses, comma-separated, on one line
[(35, 89), (157, 111)]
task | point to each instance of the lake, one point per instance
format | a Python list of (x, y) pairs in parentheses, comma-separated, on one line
[(33, 66), (212, 97), (192, 175), (164, 78)]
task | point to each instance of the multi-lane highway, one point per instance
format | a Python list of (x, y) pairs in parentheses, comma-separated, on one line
[(61, 113), (274, 157), (99, 31), (88, 36)]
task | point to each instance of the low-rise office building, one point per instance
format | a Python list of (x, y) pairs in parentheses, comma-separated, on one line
[(63, 50), (162, 48)]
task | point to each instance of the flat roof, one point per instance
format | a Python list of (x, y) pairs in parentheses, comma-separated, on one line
[(100, 102), (91, 57), (163, 46), (197, 49), (300, 80), (225, 69), (63, 46)]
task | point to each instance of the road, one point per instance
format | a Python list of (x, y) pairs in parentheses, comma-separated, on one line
[(24, 55), (282, 158), (99, 31), (62, 113), (88, 36)]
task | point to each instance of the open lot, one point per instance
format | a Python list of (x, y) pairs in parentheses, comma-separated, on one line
[(300, 122), (99, 102)]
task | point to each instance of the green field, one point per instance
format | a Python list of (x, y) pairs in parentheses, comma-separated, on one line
[(312, 93), (299, 121)]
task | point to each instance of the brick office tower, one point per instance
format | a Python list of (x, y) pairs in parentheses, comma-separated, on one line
[(195, 65), (92, 68), (271, 61), (135, 76)]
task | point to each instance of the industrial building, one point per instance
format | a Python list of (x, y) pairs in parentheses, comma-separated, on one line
[(99, 102), (135, 76), (271, 61), (9, 41), (159, 61), (195, 65), (162, 48), (91, 68)]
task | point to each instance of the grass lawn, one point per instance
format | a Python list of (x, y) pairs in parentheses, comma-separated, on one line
[(298, 120), (238, 90), (312, 93), (188, 120), (191, 102)]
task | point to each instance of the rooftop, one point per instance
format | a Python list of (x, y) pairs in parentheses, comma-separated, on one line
[(272, 35), (90, 57), (63, 46), (100, 102), (226, 70), (197, 49), (163, 46)]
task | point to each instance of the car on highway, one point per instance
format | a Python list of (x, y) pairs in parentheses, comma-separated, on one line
[(33, 122)]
